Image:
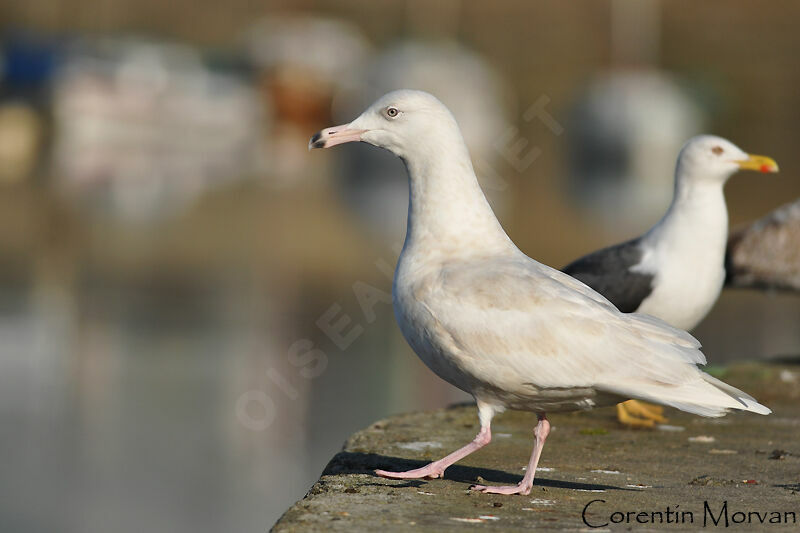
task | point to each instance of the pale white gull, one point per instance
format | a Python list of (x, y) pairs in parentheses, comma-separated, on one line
[(508, 330)]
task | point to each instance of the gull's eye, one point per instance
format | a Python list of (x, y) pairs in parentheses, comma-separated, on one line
[(392, 112), (717, 150)]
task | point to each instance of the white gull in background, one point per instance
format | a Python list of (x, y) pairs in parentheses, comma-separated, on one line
[(506, 329), (676, 270)]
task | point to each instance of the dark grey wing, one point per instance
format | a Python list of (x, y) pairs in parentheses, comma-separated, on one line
[(608, 271)]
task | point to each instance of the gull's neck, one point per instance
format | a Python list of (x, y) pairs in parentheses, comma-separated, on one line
[(447, 211), (697, 217)]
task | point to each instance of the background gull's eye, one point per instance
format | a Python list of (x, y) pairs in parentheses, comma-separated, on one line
[(391, 112), (717, 150)]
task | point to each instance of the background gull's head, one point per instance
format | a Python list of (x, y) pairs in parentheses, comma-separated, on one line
[(712, 158)]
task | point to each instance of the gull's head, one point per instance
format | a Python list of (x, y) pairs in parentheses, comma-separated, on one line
[(401, 121), (712, 158)]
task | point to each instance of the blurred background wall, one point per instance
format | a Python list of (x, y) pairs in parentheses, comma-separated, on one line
[(194, 310)]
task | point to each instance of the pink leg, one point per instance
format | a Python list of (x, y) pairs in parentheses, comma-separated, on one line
[(437, 468), (540, 433)]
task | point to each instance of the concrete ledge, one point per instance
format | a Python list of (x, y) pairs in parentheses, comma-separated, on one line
[(749, 461)]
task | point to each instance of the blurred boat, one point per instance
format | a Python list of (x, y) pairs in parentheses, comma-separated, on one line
[(141, 128), (302, 62)]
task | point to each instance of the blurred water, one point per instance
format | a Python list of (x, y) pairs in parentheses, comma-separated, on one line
[(116, 420), (118, 406)]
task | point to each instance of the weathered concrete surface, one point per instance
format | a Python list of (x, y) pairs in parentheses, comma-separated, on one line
[(751, 462)]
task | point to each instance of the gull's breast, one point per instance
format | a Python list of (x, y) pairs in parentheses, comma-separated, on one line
[(684, 292)]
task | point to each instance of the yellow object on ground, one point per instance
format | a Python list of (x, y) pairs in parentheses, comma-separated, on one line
[(636, 414)]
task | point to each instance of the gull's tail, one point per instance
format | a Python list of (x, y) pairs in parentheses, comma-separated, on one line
[(707, 397), (748, 402), (666, 372)]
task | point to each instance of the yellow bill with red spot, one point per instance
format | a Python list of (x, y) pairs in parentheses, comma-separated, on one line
[(760, 163)]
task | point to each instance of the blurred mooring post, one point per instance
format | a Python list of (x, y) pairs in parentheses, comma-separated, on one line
[(766, 254), (628, 123)]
